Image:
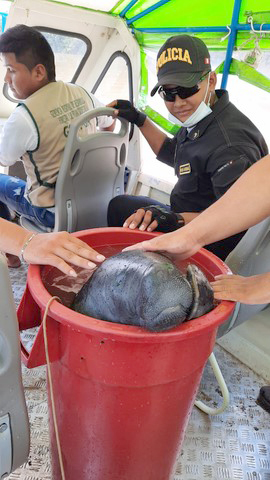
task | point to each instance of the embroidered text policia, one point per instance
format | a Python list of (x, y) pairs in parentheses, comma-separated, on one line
[(173, 54)]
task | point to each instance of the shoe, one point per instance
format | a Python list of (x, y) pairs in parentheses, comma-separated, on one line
[(264, 398)]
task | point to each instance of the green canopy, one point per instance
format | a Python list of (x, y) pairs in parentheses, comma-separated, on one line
[(152, 21), (148, 17), (222, 25)]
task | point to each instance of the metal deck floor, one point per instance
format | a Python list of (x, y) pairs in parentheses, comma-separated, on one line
[(234, 445)]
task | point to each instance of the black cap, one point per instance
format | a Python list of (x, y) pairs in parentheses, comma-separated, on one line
[(181, 61)]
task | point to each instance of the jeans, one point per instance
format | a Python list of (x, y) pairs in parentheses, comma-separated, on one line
[(12, 196)]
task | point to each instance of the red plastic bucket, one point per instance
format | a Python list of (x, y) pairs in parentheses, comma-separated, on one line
[(123, 395)]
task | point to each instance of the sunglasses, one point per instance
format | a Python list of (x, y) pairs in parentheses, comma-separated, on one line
[(169, 94)]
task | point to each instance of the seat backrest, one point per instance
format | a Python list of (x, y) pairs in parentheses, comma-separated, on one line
[(91, 174), (251, 256), (14, 424)]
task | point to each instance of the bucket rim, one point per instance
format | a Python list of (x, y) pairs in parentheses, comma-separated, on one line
[(85, 324)]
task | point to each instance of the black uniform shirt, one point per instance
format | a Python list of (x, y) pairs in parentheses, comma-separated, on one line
[(211, 157)]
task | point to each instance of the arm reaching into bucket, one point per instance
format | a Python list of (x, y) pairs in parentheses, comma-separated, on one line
[(250, 290), (246, 203), (59, 249)]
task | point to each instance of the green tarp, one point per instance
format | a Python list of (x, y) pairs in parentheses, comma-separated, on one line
[(178, 13)]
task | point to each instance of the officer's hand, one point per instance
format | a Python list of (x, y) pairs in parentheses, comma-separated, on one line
[(141, 219), (155, 216), (126, 110)]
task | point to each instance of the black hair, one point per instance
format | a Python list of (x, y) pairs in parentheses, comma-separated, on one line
[(30, 47)]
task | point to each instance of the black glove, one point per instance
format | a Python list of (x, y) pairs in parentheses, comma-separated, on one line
[(130, 113), (167, 220)]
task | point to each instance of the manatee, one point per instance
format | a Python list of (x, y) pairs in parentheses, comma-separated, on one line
[(144, 289)]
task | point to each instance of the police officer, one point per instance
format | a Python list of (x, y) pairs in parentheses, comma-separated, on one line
[(214, 146)]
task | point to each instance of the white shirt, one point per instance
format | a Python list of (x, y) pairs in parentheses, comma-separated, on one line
[(19, 133)]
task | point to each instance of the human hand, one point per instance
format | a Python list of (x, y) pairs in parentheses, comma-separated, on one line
[(141, 219), (250, 290), (59, 249), (180, 243), (125, 109), (153, 216)]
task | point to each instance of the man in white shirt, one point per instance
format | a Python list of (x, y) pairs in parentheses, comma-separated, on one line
[(37, 130)]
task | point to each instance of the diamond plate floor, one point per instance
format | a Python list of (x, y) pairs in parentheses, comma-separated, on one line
[(232, 446)]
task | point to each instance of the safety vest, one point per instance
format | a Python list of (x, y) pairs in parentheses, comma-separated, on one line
[(52, 108)]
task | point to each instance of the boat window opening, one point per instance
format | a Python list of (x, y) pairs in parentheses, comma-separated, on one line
[(115, 81), (70, 50)]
